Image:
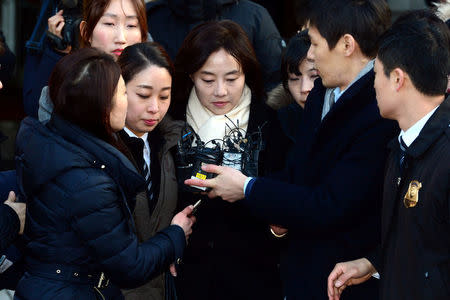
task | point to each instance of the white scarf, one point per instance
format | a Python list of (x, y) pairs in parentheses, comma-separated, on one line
[(210, 126)]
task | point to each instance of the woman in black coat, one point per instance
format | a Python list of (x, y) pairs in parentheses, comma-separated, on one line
[(80, 190), (217, 89)]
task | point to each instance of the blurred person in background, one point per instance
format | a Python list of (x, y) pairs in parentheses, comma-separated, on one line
[(170, 21), (297, 77)]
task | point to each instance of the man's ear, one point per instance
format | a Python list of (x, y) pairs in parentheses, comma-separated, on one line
[(349, 44), (398, 78)]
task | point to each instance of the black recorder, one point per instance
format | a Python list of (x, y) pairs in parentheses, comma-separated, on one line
[(189, 159), (236, 150)]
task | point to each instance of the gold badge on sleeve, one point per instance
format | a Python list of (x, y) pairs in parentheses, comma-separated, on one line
[(412, 194)]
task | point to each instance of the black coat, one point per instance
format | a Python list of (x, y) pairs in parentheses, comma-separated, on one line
[(415, 261), (290, 118), (9, 226), (170, 21), (80, 193), (331, 200), (231, 254), (37, 70), (8, 62)]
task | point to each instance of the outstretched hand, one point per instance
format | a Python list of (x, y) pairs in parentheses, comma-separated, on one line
[(346, 274), (228, 184)]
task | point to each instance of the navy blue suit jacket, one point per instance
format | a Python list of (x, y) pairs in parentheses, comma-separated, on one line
[(329, 197)]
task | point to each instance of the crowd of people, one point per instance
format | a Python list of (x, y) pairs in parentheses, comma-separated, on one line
[(184, 151)]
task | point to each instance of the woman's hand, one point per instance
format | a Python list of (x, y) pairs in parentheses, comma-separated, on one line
[(185, 220), (55, 26), (19, 208)]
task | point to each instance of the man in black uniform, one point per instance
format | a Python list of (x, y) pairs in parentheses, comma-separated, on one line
[(411, 79)]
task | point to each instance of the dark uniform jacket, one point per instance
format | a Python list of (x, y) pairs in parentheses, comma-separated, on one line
[(415, 261), (331, 202), (170, 21), (80, 192), (231, 253)]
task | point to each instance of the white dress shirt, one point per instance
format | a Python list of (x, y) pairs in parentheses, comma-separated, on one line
[(413, 132), (337, 91), (146, 152)]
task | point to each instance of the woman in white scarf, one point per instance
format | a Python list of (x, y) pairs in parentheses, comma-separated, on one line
[(219, 97), (217, 86)]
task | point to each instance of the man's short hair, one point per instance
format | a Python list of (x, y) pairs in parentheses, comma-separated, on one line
[(365, 20), (419, 44)]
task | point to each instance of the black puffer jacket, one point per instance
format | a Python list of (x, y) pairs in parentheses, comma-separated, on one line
[(170, 21), (78, 191)]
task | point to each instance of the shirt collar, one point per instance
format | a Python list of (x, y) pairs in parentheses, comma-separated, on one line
[(131, 134), (143, 137), (413, 132), (337, 91)]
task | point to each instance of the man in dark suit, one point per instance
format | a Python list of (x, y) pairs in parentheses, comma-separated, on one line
[(328, 198), (414, 259)]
